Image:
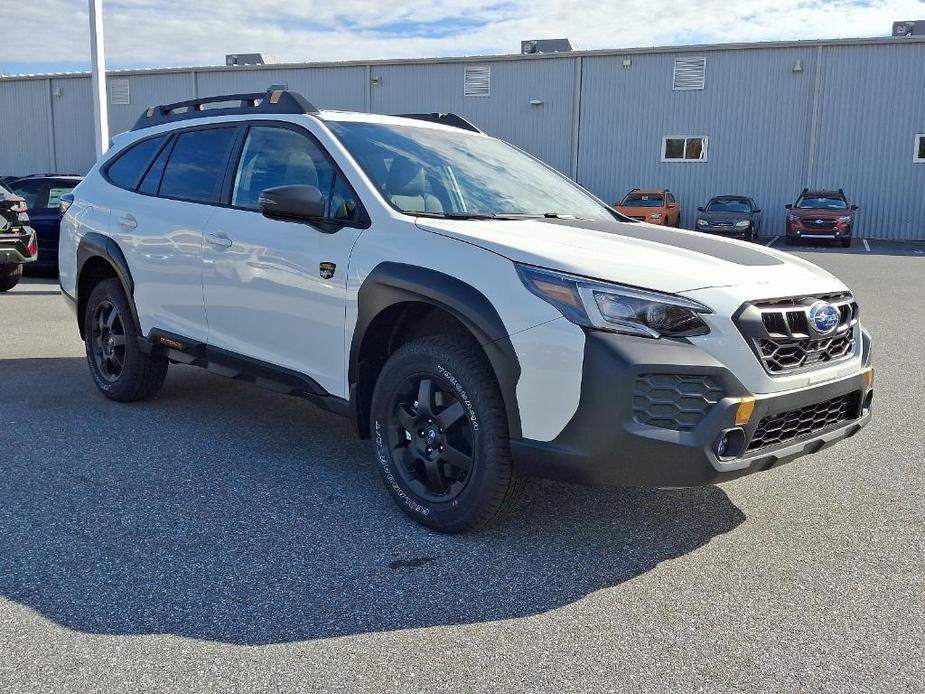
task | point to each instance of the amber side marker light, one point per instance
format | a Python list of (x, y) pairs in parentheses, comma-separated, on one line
[(869, 376), (744, 412)]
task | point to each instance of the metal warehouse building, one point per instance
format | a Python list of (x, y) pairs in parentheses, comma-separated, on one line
[(771, 118)]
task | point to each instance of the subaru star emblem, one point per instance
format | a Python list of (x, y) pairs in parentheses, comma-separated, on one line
[(824, 317)]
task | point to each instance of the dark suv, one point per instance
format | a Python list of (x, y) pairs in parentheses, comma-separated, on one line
[(730, 215), (821, 214), (43, 193)]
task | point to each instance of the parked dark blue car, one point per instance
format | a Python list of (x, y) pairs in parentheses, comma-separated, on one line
[(42, 194)]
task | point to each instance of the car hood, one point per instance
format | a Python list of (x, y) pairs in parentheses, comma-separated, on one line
[(819, 214), (637, 254), (639, 211), (724, 216)]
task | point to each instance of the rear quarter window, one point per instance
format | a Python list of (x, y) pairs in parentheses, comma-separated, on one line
[(126, 171)]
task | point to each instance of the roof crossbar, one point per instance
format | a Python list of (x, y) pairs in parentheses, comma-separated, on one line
[(271, 101)]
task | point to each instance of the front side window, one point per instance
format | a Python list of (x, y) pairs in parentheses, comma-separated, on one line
[(728, 205), (821, 202), (278, 157), (684, 149), (54, 195), (441, 172), (127, 170), (643, 200), (196, 167)]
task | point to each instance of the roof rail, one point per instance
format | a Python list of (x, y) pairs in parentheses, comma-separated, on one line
[(271, 101), (450, 119)]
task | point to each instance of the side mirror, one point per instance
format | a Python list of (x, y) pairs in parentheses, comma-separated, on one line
[(292, 202), (756, 211), (788, 206), (854, 207), (700, 209)]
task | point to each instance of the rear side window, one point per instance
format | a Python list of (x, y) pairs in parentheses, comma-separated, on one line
[(152, 180), (197, 164), (35, 193), (127, 170)]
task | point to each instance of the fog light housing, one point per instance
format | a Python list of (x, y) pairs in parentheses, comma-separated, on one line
[(730, 444)]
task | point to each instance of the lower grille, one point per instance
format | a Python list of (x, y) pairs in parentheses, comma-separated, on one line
[(674, 401), (793, 424)]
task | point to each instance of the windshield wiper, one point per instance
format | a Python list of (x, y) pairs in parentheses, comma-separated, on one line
[(499, 215), (450, 215)]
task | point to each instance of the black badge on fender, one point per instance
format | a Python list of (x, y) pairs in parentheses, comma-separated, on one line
[(326, 270)]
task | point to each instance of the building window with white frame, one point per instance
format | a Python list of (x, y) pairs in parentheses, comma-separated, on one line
[(677, 148), (919, 156)]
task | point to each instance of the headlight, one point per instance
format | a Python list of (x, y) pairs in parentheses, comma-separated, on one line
[(744, 224), (616, 308), (702, 223), (793, 218), (844, 219), (657, 215)]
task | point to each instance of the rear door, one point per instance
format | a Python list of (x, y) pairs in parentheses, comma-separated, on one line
[(275, 290), (158, 216)]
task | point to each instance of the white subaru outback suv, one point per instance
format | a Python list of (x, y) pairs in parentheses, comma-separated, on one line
[(477, 315)]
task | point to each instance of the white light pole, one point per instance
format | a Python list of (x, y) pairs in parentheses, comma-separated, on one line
[(98, 78)]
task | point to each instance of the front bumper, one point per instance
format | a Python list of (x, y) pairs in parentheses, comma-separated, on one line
[(727, 232), (798, 231), (18, 247), (606, 444)]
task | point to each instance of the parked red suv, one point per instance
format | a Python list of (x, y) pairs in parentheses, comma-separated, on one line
[(821, 214)]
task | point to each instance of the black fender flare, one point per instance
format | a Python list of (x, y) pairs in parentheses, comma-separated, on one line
[(391, 283), (95, 245)]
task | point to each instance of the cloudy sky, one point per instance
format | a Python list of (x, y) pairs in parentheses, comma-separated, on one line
[(52, 35)]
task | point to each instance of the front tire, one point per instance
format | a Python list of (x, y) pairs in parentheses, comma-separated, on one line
[(119, 368), (9, 276), (440, 429)]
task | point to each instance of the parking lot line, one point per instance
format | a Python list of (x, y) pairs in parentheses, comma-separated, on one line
[(771, 241), (866, 245)]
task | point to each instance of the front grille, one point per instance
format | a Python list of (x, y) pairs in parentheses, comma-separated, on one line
[(782, 338), (674, 401), (822, 224), (793, 424), (638, 219), (780, 356)]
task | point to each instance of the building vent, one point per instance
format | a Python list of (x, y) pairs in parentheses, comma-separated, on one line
[(909, 28), (477, 80), (119, 93), (689, 73)]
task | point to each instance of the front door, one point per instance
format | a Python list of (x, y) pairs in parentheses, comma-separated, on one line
[(275, 290)]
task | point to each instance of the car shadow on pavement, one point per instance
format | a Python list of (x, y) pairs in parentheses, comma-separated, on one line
[(227, 513)]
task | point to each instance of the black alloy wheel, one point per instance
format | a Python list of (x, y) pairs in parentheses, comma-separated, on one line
[(108, 341), (431, 438)]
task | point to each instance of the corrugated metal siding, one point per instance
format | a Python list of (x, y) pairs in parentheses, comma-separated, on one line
[(872, 104), (543, 130), (339, 88), (150, 90), (24, 128), (754, 109), (766, 139), (75, 146)]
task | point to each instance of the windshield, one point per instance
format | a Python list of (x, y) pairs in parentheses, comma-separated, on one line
[(821, 203), (445, 173), (728, 205), (643, 200)]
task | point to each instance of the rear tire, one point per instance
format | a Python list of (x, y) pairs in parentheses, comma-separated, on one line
[(846, 243), (440, 429), (9, 276), (119, 368)]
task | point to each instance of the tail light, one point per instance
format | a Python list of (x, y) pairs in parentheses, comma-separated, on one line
[(33, 248), (19, 206)]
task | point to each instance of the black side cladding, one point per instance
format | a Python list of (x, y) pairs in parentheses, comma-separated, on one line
[(708, 245), (394, 283)]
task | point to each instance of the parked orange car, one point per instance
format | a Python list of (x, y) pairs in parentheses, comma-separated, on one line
[(653, 206)]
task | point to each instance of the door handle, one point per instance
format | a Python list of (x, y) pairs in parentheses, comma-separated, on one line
[(128, 222), (219, 239)]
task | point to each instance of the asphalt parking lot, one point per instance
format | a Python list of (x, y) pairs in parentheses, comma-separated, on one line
[(224, 538)]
